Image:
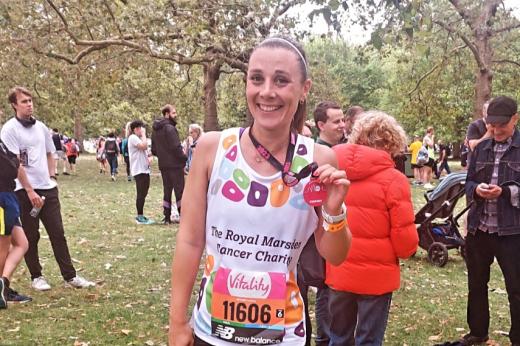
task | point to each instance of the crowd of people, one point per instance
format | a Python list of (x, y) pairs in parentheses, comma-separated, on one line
[(273, 211)]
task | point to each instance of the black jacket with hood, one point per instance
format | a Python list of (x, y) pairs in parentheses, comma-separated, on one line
[(166, 144)]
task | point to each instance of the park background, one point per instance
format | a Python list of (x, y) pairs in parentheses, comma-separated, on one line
[(94, 65)]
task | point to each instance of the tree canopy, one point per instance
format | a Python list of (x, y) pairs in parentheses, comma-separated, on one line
[(94, 66)]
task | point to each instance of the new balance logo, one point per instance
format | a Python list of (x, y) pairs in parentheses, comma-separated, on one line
[(224, 332)]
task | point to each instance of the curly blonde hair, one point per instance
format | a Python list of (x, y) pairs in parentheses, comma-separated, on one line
[(378, 130)]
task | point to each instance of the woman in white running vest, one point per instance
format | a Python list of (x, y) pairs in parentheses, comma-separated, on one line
[(256, 196)]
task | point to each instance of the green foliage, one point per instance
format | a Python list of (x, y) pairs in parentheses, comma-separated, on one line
[(423, 79), (347, 75), (232, 101)]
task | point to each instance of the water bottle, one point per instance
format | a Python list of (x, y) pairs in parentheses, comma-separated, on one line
[(35, 210)]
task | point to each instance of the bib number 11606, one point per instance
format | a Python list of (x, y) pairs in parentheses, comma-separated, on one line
[(251, 313)]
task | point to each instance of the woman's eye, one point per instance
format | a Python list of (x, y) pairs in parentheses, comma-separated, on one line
[(281, 81), (256, 78)]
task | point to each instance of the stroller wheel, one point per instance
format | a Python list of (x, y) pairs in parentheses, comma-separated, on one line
[(438, 254)]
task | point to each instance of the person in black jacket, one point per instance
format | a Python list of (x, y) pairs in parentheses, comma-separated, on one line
[(492, 184), (166, 145)]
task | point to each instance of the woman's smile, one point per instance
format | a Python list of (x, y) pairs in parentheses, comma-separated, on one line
[(268, 108)]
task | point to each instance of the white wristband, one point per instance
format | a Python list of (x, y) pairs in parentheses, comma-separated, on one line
[(332, 219)]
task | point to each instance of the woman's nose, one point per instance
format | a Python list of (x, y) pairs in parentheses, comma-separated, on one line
[(268, 89)]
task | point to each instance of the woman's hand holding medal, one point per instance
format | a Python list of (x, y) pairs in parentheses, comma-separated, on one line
[(328, 187)]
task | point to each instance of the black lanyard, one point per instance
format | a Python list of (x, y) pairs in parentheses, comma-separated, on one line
[(270, 158)]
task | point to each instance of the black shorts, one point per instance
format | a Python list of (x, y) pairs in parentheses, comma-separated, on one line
[(72, 159), (9, 213), (430, 163), (199, 342), (416, 166)]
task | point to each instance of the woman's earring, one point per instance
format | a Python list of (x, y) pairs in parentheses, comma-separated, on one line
[(302, 101)]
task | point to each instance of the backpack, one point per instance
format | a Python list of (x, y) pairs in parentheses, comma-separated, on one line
[(110, 147), (311, 265), (124, 147), (422, 156)]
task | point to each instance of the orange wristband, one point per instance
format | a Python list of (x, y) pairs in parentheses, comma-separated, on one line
[(334, 227)]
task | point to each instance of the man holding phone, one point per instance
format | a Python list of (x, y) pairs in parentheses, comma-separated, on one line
[(494, 219)]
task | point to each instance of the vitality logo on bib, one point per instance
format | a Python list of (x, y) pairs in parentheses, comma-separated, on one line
[(249, 285)]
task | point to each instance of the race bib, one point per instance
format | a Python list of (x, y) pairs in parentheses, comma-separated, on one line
[(248, 307)]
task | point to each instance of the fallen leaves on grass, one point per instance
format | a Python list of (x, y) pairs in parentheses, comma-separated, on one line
[(501, 332), (81, 343), (434, 337)]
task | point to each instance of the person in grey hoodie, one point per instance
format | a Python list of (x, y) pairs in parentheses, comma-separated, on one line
[(166, 145)]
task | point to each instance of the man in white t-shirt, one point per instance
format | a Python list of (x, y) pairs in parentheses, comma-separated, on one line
[(36, 188), (139, 167)]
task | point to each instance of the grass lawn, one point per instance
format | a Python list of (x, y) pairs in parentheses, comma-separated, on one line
[(131, 265)]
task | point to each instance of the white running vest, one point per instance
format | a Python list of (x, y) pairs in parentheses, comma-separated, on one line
[(256, 228)]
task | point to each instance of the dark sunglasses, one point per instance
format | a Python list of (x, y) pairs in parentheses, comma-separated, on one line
[(292, 179)]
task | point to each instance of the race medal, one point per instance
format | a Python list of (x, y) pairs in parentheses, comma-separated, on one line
[(314, 193), (248, 307)]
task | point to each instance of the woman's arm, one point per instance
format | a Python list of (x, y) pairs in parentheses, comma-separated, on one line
[(191, 240), (332, 246)]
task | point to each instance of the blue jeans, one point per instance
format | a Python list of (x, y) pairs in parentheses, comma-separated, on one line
[(359, 319), (322, 316), (112, 161), (443, 166)]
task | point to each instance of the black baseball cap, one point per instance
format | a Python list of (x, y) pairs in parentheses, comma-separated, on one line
[(501, 109)]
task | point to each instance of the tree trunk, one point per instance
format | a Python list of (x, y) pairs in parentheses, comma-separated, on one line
[(484, 56), (78, 127), (455, 152), (483, 87), (211, 76)]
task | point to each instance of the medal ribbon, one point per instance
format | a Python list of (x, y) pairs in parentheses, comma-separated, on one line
[(270, 157)]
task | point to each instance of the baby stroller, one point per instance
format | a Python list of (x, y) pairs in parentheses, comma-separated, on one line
[(437, 226)]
